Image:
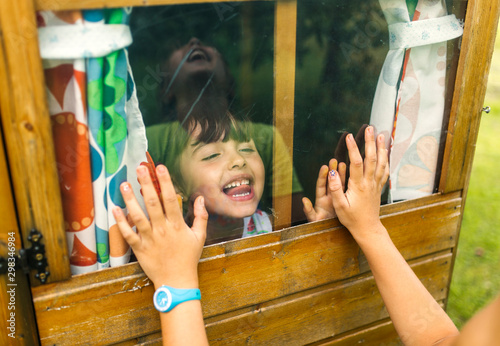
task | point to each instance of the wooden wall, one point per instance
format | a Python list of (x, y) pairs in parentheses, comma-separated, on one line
[(297, 286)]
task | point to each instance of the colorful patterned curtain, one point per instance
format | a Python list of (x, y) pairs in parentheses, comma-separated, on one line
[(409, 101), (98, 130)]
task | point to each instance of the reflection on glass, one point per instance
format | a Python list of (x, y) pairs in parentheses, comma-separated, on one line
[(341, 47), (204, 78), (209, 113), (349, 73)]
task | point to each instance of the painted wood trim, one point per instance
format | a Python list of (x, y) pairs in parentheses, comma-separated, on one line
[(15, 294), (285, 26), (477, 47), (28, 135), (470, 87)]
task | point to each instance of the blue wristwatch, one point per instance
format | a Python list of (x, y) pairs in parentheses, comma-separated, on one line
[(166, 298)]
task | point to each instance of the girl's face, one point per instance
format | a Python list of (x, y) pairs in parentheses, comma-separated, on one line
[(229, 175)]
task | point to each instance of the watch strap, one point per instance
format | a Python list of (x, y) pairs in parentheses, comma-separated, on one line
[(174, 296)]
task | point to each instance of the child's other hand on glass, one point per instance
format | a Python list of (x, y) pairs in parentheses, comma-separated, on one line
[(323, 205), (359, 207)]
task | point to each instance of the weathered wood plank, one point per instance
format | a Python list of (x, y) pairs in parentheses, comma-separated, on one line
[(382, 333), (235, 282), (28, 135), (307, 261), (352, 311), (343, 306), (8, 222), (15, 296), (322, 312), (25, 328)]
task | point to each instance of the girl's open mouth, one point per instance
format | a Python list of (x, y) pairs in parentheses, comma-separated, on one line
[(240, 190)]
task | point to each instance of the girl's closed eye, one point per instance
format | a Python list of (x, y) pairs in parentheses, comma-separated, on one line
[(247, 148), (210, 157)]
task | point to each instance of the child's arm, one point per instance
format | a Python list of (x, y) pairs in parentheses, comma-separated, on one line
[(323, 207), (168, 251), (417, 317)]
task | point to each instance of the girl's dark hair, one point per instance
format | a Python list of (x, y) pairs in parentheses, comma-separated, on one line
[(228, 128), (217, 126)]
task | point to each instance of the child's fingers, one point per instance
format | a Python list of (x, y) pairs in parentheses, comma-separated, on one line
[(341, 149), (151, 200), (342, 169), (132, 238), (356, 161), (134, 209), (336, 191), (309, 209), (370, 152), (382, 171), (321, 182), (333, 165), (360, 136), (170, 201), (200, 219)]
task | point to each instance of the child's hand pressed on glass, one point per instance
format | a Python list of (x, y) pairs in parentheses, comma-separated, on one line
[(359, 207), (166, 248), (323, 207)]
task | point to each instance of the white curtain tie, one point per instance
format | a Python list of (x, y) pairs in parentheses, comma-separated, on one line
[(424, 32), (82, 41)]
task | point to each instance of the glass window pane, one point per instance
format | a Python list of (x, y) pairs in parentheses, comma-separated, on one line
[(341, 50), (208, 68)]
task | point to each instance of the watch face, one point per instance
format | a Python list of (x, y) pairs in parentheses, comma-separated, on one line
[(162, 299)]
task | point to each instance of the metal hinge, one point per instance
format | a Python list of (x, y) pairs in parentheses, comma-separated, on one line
[(32, 258)]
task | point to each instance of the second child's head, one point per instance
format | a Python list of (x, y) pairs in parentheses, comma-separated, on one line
[(223, 165)]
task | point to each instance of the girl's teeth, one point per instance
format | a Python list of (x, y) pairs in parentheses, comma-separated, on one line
[(242, 194), (237, 183)]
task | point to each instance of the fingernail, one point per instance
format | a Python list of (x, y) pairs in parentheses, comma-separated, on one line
[(126, 187), (369, 129), (161, 169), (141, 171), (202, 201), (333, 173), (116, 211), (350, 137)]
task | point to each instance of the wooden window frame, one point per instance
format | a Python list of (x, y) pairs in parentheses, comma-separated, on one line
[(305, 268)]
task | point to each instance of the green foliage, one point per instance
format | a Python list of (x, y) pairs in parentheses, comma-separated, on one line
[(476, 277)]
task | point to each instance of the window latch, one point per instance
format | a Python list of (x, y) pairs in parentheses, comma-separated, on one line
[(32, 258)]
